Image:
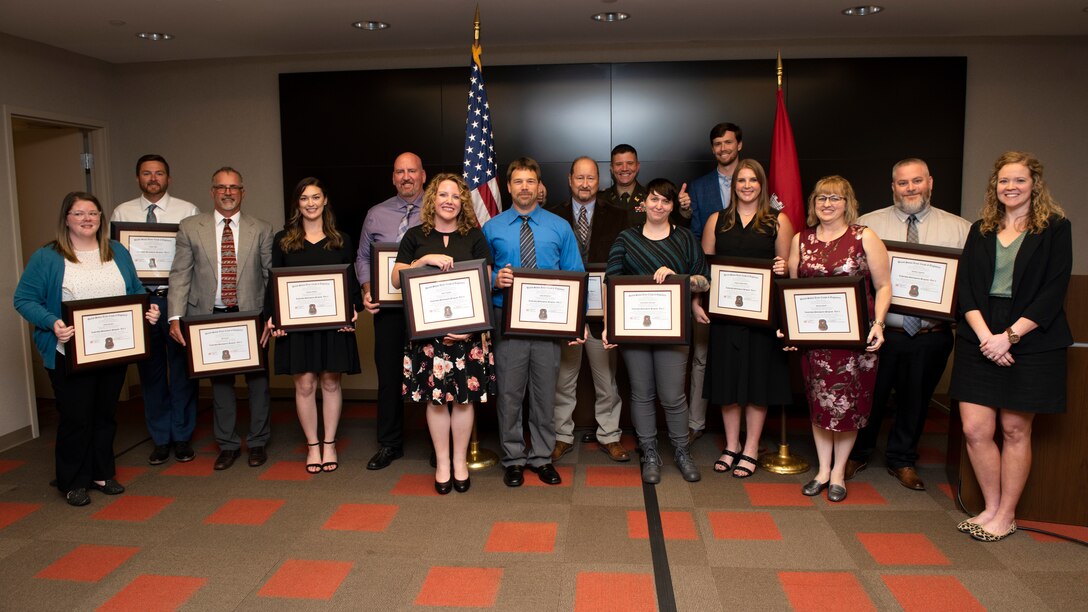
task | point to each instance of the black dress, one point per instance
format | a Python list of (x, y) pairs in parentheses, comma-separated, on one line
[(745, 365), (464, 371), (317, 351)]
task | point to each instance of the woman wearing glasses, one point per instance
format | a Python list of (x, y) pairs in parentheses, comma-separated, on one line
[(839, 382), (81, 263)]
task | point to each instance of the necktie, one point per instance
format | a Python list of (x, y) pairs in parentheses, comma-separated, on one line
[(403, 227), (911, 325), (228, 260), (528, 247), (151, 218), (582, 231)]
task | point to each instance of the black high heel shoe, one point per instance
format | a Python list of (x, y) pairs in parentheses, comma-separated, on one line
[(444, 488), (462, 485)]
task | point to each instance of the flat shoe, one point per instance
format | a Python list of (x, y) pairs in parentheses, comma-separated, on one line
[(966, 526), (77, 497), (982, 535), (814, 487), (836, 493), (744, 472), (443, 488), (109, 487), (725, 467)]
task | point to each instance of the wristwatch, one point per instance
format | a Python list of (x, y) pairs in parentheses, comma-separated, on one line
[(1013, 336)]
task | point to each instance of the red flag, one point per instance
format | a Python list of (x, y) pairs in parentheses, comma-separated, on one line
[(785, 177), (480, 171)]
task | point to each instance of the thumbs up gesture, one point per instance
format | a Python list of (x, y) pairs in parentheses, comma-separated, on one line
[(683, 198)]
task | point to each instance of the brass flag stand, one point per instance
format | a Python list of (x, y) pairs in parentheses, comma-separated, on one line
[(783, 462)]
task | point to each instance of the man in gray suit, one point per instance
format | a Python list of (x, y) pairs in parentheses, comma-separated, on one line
[(221, 265)]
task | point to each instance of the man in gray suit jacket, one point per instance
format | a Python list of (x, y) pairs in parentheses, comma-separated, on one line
[(221, 265)]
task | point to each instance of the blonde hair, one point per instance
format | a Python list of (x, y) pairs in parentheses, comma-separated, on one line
[(1041, 207), (466, 219), (833, 184)]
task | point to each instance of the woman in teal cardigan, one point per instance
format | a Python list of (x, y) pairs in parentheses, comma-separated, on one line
[(82, 263)]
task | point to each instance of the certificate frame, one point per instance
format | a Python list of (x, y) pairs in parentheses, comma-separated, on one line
[(88, 349), (732, 306), (595, 275), (847, 291), (383, 256), (288, 318), (470, 282), (909, 261), (197, 331), (125, 231), (567, 322), (624, 291)]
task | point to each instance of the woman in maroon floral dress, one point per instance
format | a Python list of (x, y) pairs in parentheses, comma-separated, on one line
[(839, 382)]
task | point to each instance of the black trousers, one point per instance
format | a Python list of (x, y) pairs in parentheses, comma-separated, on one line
[(87, 405), (912, 367), (389, 341)]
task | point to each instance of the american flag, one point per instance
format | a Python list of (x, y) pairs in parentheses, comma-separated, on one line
[(480, 171)]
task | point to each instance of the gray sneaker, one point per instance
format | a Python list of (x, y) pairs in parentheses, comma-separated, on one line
[(651, 466), (686, 465)]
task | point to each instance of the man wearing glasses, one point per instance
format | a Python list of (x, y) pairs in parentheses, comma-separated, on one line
[(221, 265)]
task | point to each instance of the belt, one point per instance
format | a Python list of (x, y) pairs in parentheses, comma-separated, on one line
[(940, 327), (160, 292), (224, 310)]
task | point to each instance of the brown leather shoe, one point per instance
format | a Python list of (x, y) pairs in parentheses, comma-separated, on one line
[(615, 451), (561, 448), (908, 477), (853, 467), (693, 435)]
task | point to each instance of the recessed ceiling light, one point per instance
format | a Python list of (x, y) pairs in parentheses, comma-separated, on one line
[(154, 36), (372, 26), (611, 17), (862, 11)]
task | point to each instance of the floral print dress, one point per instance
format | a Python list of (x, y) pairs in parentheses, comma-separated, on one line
[(462, 372), (838, 382)]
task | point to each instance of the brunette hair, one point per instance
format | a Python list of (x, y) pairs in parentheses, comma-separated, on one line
[(295, 233), (63, 242), (766, 216)]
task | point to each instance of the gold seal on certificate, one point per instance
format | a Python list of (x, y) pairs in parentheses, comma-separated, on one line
[(545, 303), (311, 298), (824, 312), (642, 311), (740, 290), (108, 331), (452, 302), (223, 344), (923, 279), (151, 246)]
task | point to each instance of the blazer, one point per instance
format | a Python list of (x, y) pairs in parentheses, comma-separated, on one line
[(194, 276), (1039, 281), (706, 199), (606, 224), (39, 293)]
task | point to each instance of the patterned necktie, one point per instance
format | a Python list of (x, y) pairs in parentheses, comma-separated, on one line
[(151, 218), (403, 227), (582, 232), (228, 260), (911, 325), (528, 247)]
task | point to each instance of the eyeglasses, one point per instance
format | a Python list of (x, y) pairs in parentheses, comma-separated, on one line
[(834, 199), (227, 188), (79, 214)]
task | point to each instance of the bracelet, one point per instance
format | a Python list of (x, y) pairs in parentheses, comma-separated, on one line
[(880, 323)]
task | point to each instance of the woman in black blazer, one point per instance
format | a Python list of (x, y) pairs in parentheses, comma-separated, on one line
[(1012, 333)]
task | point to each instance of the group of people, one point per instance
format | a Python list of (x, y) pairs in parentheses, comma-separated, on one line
[(1011, 334)]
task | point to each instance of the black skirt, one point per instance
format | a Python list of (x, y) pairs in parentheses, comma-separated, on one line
[(1035, 383), (317, 351)]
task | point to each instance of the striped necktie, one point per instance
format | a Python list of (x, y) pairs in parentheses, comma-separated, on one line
[(912, 325), (151, 218), (582, 231), (528, 247), (228, 260), (403, 227)]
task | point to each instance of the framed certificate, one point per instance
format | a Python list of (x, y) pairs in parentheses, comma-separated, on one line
[(640, 311), (741, 290), (595, 292), (455, 302), (108, 331), (311, 298), (224, 344), (151, 246), (826, 312), (545, 303), (383, 256), (923, 279)]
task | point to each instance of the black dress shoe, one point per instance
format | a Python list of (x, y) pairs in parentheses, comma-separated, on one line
[(159, 455), (108, 486), (444, 488), (462, 485), (547, 473), (226, 459), (257, 456), (77, 497), (513, 476), (183, 452), (385, 456)]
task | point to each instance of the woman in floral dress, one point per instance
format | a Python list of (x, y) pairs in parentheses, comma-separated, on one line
[(456, 370), (839, 382)]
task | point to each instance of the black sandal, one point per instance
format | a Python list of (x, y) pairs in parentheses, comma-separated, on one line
[(313, 468), (725, 467), (745, 472), (330, 466)]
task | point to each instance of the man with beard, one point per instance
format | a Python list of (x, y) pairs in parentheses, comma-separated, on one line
[(169, 395), (387, 222), (527, 236), (628, 195), (915, 350), (707, 195)]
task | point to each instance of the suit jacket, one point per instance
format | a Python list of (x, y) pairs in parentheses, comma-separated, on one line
[(194, 276), (606, 224), (706, 199), (1040, 278)]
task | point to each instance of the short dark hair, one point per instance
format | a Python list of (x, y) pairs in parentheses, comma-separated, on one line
[(232, 170), (664, 188), (624, 148), (522, 163), (719, 130), (152, 158)]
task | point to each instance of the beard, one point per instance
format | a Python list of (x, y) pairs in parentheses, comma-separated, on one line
[(911, 209)]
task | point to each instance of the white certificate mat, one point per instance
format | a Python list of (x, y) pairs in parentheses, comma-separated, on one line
[(545, 303), (107, 330), (221, 345), (923, 279), (452, 302), (446, 301), (151, 246), (309, 298), (824, 312), (640, 310), (224, 344)]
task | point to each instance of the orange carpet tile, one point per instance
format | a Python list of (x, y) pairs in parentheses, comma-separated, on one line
[(674, 525), (11, 512), (88, 563), (306, 579), (361, 517), (743, 526), (147, 593), (133, 508), (522, 537), (614, 592), (927, 593), (613, 476), (902, 549), (460, 587), (764, 494), (245, 512), (820, 591)]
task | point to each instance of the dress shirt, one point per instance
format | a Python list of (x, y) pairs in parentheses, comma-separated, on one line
[(576, 208), (553, 239), (935, 227), (725, 183), (381, 225), (167, 210)]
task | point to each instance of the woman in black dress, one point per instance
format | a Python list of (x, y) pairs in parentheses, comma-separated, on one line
[(310, 238), (748, 369), (1012, 333), (457, 370)]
